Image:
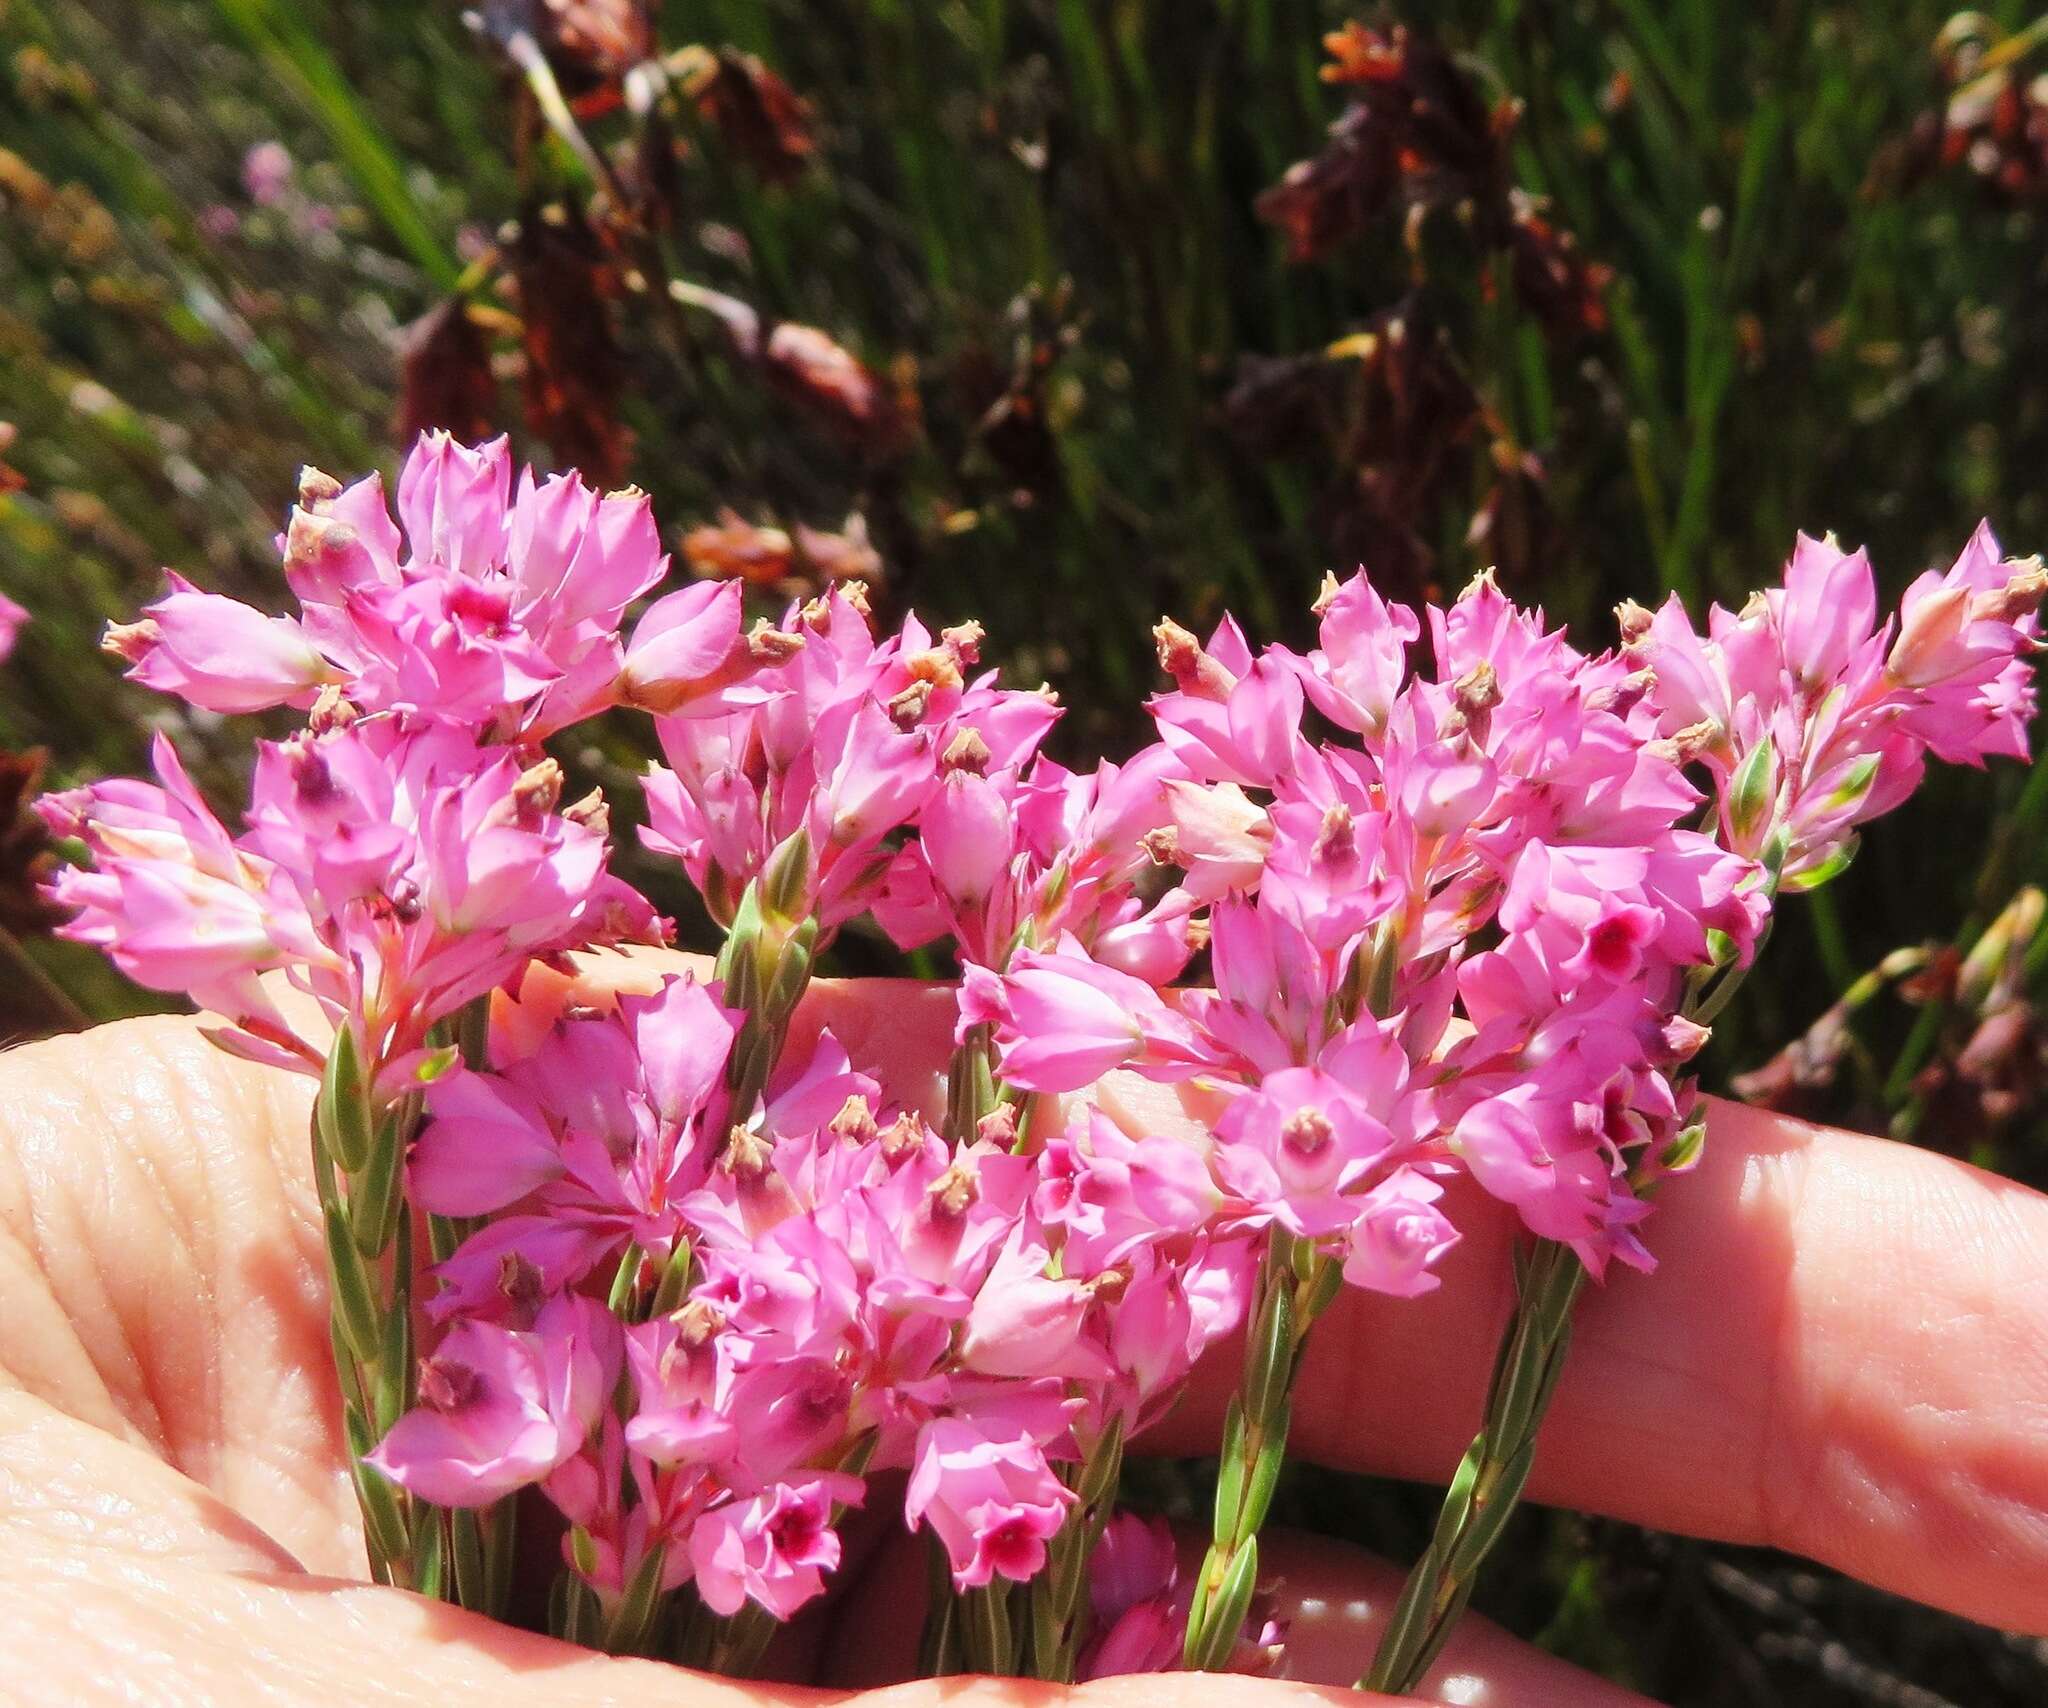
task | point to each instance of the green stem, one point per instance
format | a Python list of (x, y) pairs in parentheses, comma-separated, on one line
[(1489, 1480), (358, 1168), (1294, 1286), (1491, 1477)]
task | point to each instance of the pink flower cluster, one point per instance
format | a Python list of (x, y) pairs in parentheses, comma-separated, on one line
[(1458, 936), (1813, 718), (858, 1286), (1451, 898)]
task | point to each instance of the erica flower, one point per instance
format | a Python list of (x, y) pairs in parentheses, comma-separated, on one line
[(773, 1549), (1062, 1021), (992, 1499), (501, 1408), (220, 654)]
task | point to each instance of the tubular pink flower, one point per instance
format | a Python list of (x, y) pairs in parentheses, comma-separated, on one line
[(1398, 1236), (502, 1408), (1062, 1021), (773, 1549), (992, 1500), (220, 654)]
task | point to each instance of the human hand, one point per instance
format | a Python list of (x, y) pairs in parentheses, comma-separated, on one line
[(1841, 1354)]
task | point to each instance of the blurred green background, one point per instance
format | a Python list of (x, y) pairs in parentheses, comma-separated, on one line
[(1024, 310)]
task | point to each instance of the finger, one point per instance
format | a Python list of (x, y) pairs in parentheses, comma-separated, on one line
[(162, 1268), (1843, 1352), (1334, 1599), (121, 1579), (117, 1571)]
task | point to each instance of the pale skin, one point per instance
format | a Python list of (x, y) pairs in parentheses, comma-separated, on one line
[(1844, 1352)]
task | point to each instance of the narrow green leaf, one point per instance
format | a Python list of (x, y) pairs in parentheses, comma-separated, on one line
[(466, 1557), (1265, 1474), (376, 1200), (1230, 1470), (1270, 1366), (1224, 1617), (383, 1520), (429, 1561), (355, 1306)]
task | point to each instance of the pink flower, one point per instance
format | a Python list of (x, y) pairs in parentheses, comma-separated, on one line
[(1294, 1148), (267, 173), (13, 619), (1140, 1623), (502, 1408), (967, 831), (773, 1549), (1399, 1236), (688, 649), (1062, 1021), (486, 1146), (684, 1389), (992, 1500), (1028, 1323), (220, 654)]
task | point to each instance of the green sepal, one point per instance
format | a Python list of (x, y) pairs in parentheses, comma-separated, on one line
[(675, 1280), (786, 878), (624, 1280), (1749, 794), (1827, 871), (632, 1620), (342, 1110), (792, 971), (437, 1065), (1685, 1146)]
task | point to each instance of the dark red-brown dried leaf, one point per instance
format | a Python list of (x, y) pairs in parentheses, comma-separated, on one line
[(734, 549), (1328, 199), (762, 119), (590, 44), (575, 371), (445, 377), (11, 478), (831, 384), (1553, 279), (845, 556), (795, 560), (1286, 405), (1359, 54), (25, 854)]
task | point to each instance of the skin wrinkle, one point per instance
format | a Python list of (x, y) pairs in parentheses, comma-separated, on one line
[(47, 1197), (123, 1203), (198, 1453)]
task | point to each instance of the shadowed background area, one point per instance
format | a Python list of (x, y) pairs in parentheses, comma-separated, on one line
[(1062, 314)]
